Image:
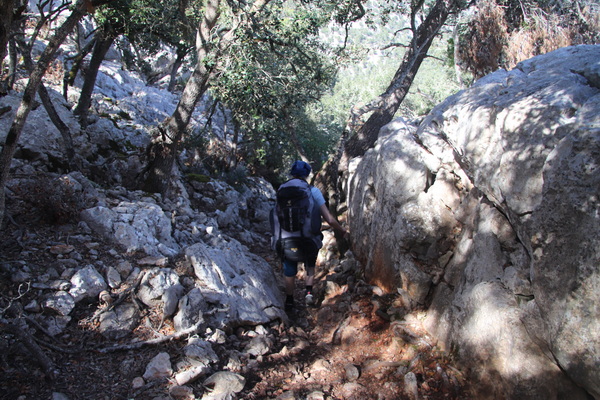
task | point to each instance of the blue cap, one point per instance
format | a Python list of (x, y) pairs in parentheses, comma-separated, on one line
[(300, 169)]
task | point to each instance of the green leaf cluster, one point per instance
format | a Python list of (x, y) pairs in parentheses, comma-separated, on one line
[(151, 23), (275, 68)]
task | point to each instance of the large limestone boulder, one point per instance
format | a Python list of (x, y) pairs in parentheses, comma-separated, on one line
[(40, 143), (487, 213), (234, 282)]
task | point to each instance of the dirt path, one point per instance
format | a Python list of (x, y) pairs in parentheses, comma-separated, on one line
[(350, 347)]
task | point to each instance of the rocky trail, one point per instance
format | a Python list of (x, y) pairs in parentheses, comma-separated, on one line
[(356, 343), (347, 348)]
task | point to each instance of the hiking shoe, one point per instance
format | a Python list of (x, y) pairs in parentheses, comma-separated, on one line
[(309, 299)]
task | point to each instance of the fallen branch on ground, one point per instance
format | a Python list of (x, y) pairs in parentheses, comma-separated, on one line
[(29, 342), (136, 345)]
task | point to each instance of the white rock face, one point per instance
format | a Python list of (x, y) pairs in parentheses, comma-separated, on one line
[(135, 226), (87, 283), (236, 280), (488, 213)]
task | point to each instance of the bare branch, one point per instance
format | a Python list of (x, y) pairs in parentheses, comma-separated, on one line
[(28, 341), (22, 291), (392, 45), (167, 338)]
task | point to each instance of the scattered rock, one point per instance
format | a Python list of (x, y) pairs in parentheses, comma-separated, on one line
[(61, 249), (87, 284), (181, 393), (61, 302), (120, 322), (138, 382), (410, 386), (159, 367), (352, 372), (224, 384), (258, 346)]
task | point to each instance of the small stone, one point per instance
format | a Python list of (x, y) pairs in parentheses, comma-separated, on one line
[(124, 268), (316, 395), (225, 382), (33, 306), (320, 365), (159, 367), (157, 261), (410, 386), (61, 249), (352, 372), (60, 302), (138, 382), (289, 395), (181, 393)]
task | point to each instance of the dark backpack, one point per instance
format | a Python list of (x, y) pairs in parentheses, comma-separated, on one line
[(295, 221), (294, 206)]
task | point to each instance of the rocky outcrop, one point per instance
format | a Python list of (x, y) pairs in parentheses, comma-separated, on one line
[(487, 214)]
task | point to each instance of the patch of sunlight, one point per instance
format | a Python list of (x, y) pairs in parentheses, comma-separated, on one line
[(484, 324)]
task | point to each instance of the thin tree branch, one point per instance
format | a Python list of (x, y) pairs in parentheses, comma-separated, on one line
[(167, 338), (28, 341)]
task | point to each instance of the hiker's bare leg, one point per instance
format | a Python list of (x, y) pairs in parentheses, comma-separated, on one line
[(310, 276), (289, 285)]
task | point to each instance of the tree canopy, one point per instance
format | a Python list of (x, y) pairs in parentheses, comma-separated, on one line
[(290, 71)]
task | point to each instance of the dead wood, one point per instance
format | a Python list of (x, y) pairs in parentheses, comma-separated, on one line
[(29, 342), (136, 345)]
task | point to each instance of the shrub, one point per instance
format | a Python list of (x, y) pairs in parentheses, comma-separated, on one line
[(506, 32), (53, 200), (483, 41)]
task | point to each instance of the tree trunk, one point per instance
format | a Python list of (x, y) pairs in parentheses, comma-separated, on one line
[(388, 103), (69, 78), (101, 47), (181, 53), (233, 160), (6, 18), (164, 148), (385, 106), (63, 129), (13, 57), (14, 133)]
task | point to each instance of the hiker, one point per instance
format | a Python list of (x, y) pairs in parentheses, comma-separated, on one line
[(297, 234)]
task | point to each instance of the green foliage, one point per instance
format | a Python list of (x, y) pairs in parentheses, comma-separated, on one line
[(150, 24), (116, 16), (376, 46), (57, 200), (435, 81), (291, 69), (274, 69), (165, 21)]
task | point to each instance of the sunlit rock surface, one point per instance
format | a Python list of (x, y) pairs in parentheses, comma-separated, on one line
[(487, 214)]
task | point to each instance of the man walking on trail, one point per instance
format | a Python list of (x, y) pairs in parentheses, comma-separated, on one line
[(302, 246)]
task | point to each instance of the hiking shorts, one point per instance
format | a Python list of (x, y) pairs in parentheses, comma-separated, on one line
[(290, 268)]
